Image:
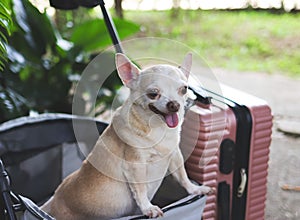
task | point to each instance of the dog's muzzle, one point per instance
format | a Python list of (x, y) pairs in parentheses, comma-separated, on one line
[(171, 117)]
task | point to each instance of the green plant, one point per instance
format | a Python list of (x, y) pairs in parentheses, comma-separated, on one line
[(5, 26), (42, 65)]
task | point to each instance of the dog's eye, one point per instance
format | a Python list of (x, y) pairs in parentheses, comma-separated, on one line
[(153, 94), (183, 90)]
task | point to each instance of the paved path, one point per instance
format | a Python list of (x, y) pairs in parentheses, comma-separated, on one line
[(283, 95)]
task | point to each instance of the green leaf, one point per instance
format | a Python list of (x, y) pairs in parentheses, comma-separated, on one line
[(12, 104), (36, 26), (5, 10), (5, 25), (3, 38), (126, 28), (93, 35), (1, 65), (6, 3)]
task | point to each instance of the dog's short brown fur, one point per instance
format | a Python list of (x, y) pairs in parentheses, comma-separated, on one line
[(124, 170)]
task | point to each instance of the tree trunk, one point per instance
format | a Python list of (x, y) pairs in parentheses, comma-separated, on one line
[(175, 8), (118, 8)]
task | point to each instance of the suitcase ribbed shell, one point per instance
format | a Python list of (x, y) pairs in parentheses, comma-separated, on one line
[(203, 130)]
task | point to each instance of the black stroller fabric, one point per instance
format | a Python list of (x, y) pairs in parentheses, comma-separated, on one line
[(40, 151), (73, 4)]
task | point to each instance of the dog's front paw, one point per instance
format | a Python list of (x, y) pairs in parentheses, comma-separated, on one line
[(199, 190), (153, 212)]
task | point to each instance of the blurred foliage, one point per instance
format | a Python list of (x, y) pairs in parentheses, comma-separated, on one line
[(5, 26), (243, 40), (43, 67)]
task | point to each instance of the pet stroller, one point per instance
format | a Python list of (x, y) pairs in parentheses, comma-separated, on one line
[(37, 153)]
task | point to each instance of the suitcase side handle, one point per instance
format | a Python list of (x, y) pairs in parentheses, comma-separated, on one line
[(243, 183)]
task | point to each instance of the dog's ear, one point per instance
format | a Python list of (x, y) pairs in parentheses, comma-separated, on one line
[(187, 65), (127, 71)]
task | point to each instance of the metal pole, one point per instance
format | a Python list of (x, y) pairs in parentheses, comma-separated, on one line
[(111, 28)]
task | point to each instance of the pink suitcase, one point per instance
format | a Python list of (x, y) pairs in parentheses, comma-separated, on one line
[(225, 142)]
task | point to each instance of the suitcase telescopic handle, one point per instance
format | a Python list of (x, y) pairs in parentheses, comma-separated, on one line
[(243, 183), (200, 93)]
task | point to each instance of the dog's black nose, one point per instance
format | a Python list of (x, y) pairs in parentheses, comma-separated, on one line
[(173, 106)]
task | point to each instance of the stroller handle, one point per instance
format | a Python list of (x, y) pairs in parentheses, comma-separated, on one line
[(5, 192)]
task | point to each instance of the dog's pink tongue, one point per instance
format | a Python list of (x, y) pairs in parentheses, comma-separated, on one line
[(172, 120)]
